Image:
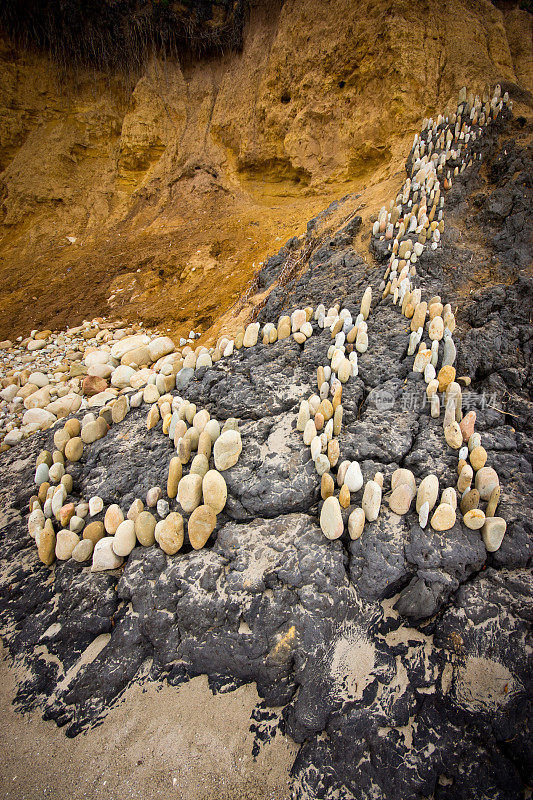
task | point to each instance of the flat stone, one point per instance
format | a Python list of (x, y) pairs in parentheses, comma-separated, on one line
[(46, 547), (214, 490), (94, 531), (161, 346), (478, 457), (403, 476), (371, 501), (145, 528), (453, 435), (83, 551), (113, 518), (120, 409), (401, 499), (474, 519), (74, 449)]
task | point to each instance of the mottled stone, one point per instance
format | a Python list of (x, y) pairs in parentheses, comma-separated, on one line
[(169, 533), (227, 449), (444, 517), (486, 481)]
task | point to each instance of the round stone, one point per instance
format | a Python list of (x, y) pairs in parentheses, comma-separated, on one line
[(144, 528), (94, 531), (493, 532), (356, 523), (478, 457), (169, 533), (445, 376), (214, 490), (124, 539), (371, 500), (83, 550), (401, 498), (113, 518), (227, 449), (331, 519), (104, 557), (152, 496), (66, 541), (474, 519), (403, 476), (201, 525), (353, 479), (486, 481), (74, 448), (444, 517), (190, 492)]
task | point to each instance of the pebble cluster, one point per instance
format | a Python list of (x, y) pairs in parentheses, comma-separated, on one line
[(111, 369), (202, 493)]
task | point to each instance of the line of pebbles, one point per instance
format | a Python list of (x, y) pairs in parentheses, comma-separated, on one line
[(111, 369)]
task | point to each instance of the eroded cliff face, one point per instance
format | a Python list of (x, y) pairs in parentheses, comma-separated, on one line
[(177, 183)]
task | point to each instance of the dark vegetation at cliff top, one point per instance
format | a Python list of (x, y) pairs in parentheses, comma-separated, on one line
[(123, 34)]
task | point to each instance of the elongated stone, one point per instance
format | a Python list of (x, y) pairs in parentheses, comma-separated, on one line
[(124, 539), (366, 302), (327, 486), (190, 492), (465, 478), (492, 505), (371, 501), (428, 492), (423, 514), (356, 523), (331, 519)]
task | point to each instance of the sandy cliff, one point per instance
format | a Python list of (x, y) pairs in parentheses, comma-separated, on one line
[(177, 181)]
